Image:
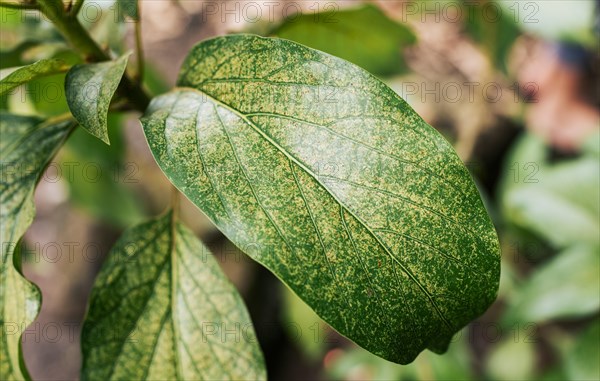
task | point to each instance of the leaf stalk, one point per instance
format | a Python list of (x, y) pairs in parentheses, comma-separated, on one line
[(80, 40)]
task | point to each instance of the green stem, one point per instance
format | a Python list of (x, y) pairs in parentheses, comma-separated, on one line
[(81, 41), (139, 50), (76, 8), (175, 203), (72, 30), (23, 5)]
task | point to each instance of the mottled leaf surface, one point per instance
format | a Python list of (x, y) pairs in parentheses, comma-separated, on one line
[(89, 90), (161, 309), (324, 175), (39, 69), (26, 147), (364, 36)]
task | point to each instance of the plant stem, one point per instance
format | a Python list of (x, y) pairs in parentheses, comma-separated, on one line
[(175, 202), (20, 5), (76, 8), (139, 50), (81, 41), (59, 118)]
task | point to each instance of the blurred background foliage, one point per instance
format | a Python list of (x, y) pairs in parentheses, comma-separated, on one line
[(513, 85)]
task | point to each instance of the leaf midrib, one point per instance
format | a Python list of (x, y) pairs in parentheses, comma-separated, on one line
[(172, 276), (358, 142), (315, 177)]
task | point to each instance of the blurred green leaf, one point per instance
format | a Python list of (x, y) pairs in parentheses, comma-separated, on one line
[(89, 91), (553, 374), (47, 94), (512, 360), (85, 145), (303, 325), (492, 28), (555, 20), (27, 146), (565, 287), (591, 146), (45, 50), (359, 364), (583, 361), (108, 27), (364, 36), (18, 26), (10, 17), (129, 8), (100, 183), (558, 202), (154, 80), (162, 309), (13, 57), (19, 76)]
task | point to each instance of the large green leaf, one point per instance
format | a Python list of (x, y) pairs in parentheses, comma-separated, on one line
[(161, 309), (89, 89), (364, 36), (357, 204), (41, 68), (26, 147)]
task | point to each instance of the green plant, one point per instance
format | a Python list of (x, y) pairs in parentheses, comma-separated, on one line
[(306, 162)]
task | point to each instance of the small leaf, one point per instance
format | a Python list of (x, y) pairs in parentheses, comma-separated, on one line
[(27, 145), (41, 68), (89, 89), (364, 36), (357, 204), (565, 287), (161, 309)]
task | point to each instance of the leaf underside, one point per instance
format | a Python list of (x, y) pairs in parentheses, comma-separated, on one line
[(26, 147), (325, 176), (161, 309), (89, 89)]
